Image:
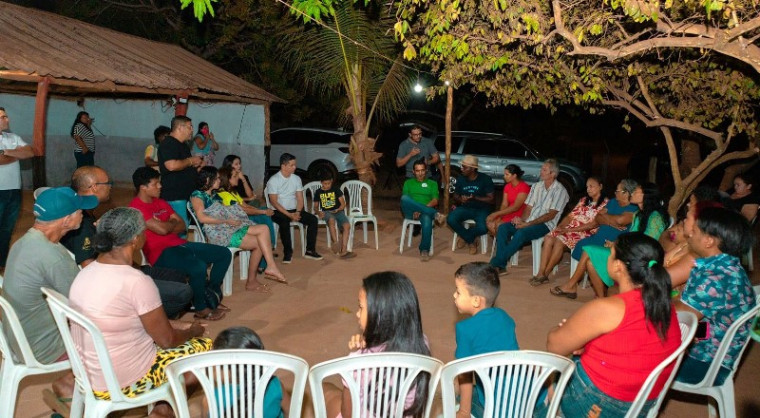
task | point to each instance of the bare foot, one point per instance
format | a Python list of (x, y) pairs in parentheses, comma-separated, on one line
[(257, 287), (64, 387)]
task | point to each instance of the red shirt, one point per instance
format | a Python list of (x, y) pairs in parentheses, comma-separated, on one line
[(510, 195), (155, 244), (619, 361)]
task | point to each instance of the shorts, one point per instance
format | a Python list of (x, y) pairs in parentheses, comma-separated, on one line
[(156, 376), (340, 217)]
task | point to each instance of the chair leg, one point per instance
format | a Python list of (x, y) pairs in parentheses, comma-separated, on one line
[(77, 404), (377, 241), (454, 242), (364, 228), (401, 242), (724, 397), (8, 392), (245, 260)]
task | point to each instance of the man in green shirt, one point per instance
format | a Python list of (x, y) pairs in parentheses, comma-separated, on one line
[(419, 200)]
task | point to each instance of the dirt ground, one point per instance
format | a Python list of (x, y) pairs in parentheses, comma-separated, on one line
[(314, 316)]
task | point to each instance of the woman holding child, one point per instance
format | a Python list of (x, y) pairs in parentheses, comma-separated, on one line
[(609, 372), (125, 305), (229, 226)]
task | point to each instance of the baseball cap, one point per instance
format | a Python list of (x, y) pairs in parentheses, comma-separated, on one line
[(58, 202)]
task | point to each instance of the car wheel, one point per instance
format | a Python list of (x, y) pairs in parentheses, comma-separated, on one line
[(318, 168), (568, 183)]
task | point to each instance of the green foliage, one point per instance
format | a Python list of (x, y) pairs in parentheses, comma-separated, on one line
[(200, 7)]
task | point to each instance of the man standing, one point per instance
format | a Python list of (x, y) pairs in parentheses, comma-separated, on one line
[(12, 149), (474, 196), (414, 148), (419, 200), (285, 192), (39, 260), (179, 170), (543, 208), (175, 293), (164, 248)]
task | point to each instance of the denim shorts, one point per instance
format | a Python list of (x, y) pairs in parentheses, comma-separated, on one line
[(340, 217), (582, 398)]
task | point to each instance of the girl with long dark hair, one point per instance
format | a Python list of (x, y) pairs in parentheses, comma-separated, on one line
[(84, 140), (610, 370), (390, 321)]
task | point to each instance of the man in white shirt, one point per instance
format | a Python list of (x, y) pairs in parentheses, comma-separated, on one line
[(12, 149), (285, 192), (543, 208)]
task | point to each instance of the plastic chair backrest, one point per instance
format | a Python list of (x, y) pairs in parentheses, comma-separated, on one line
[(10, 322), (720, 355), (512, 381), (352, 190), (687, 322), (234, 381), (199, 230), (63, 313), (378, 383), (309, 190)]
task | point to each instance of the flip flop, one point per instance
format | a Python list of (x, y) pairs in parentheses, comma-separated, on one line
[(556, 291), (212, 315), (59, 405), (538, 280), (277, 279), (348, 255), (262, 288), (223, 308)]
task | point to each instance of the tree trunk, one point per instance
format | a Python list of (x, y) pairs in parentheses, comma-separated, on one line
[(690, 157)]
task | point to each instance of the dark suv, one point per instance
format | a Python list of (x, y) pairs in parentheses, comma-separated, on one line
[(495, 151)]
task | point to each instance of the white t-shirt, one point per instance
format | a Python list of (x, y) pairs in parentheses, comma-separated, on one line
[(285, 188), (10, 174), (114, 297)]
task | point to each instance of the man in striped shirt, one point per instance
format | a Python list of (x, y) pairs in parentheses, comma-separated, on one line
[(543, 208)]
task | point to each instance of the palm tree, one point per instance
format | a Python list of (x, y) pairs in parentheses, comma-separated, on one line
[(355, 56)]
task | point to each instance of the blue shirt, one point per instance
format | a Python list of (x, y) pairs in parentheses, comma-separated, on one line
[(481, 186), (487, 331), (718, 287), (272, 399)]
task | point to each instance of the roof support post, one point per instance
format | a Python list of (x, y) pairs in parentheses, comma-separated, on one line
[(39, 178), (180, 109)]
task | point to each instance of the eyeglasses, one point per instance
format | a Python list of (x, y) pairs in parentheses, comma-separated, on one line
[(104, 183)]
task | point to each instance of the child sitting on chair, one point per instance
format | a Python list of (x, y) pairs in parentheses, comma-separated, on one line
[(489, 329), (329, 203), (276, 400)]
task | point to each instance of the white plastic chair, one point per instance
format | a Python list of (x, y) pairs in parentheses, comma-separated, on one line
[(389, 376), (483, 238), (518, 375), (224, 375), (406, 233), (512, 261), (244, 255), (309, 190), (353, 190), (16, 367), (723, 394), (83, 396), (293, 226), (687, 322)]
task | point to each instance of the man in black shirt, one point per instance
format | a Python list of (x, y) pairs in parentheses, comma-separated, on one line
[(179, 170), (172, 284)]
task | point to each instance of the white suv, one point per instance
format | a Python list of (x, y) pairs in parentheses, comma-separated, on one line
[(316, 150)]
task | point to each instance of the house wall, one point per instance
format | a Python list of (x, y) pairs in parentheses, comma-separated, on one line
[(123, 128)]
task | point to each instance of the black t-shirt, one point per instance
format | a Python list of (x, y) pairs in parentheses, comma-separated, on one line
[(79, 241), (328, 199), (176, 185)]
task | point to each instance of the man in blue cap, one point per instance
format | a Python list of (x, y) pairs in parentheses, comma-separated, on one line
[(39, 260)]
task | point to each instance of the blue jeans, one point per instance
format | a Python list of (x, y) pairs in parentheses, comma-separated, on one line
[(173, 289), (582, 398), (193, 259), (427, 215), (459, 215), (180, 206), (10, 203), (510, 239)]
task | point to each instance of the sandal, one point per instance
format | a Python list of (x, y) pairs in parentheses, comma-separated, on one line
[(223, 308), (557, 291), (538, 280), (212, 315), (261, 288), (277, 278), (60, 405)]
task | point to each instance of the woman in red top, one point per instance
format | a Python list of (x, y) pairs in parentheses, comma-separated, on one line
[(513, 202), (622, 338)]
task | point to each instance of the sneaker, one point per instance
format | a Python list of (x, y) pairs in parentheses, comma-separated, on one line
[(287, 258), (502, 271), (312, 255), (440, 219), (425, 256)]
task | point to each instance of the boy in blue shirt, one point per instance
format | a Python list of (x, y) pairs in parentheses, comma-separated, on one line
[(489, 329)]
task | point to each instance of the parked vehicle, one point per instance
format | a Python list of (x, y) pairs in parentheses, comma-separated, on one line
[(315, 150), (495, 151)]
